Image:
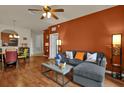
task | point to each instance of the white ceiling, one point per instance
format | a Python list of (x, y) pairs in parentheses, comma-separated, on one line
[(25, 19)]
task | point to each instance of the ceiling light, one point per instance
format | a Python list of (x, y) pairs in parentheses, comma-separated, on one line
[(44, 14), (15, 36), (18, 36), (10, 36), (48, 14)]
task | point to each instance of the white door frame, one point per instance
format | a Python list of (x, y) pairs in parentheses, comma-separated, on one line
[(53, 48)]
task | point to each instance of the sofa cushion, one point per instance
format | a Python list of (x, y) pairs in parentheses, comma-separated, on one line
[(69, 54), (63, 60), (100, 57), (79, 55), (91, 71), (74, 62), (91, 57)]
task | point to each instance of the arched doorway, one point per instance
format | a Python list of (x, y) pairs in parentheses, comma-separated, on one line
[(9, 38)]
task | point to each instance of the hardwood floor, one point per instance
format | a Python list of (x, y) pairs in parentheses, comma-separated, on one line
[(29, 75)]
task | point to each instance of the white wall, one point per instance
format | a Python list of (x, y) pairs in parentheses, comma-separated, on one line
[(22, 32), (37, 39)]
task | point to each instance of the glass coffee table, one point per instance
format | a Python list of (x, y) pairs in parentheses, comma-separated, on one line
[(50, 66)]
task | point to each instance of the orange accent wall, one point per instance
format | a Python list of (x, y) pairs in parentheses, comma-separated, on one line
[(93, 32)]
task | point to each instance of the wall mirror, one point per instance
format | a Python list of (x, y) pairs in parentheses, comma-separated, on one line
[(9, 38)]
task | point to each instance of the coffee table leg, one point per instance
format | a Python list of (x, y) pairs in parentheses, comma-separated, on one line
[(63, 80), (2, 64), (56, 76)]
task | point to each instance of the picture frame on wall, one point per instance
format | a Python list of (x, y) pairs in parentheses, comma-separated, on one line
[(116, 51), (53, 29), (24, 38)]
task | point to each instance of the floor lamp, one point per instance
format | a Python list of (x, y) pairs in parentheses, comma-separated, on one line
[(117, 51), (58, 45)]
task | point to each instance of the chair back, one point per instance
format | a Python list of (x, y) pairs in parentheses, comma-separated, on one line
[(0, 50), (10, 56), (25, 53), (0, 54)]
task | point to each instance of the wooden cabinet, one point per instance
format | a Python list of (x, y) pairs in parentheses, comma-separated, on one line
[(5, 37), (7, 41)]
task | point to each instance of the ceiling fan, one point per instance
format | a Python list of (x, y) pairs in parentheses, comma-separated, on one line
[(48, 12)]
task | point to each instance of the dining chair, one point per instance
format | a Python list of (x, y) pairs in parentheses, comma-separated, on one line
[(0, 54), (10, 57), (1, 58), (24, 55)]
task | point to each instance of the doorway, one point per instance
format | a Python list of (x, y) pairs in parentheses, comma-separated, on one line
[(53, 45)]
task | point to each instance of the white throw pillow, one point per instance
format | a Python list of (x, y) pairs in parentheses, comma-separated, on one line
[(69, 54), (91, 57)]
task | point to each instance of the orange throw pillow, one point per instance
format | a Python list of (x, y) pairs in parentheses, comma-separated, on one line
[(79, 55)]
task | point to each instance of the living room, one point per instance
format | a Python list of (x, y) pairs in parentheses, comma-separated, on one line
[(65, 46), (92, 33)]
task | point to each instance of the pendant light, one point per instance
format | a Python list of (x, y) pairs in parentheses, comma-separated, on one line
[(14, 35)]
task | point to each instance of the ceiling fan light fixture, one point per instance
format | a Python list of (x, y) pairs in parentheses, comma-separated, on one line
[(45, 6), (44, 14), (48, 14)]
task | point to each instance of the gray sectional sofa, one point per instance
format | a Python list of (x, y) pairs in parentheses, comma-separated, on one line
[(87, 73)]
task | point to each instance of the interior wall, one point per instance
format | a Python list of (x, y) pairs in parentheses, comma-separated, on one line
[(37, 39), (93, 32)]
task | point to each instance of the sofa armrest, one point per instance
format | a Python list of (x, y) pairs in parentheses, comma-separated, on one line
[(103, 62)]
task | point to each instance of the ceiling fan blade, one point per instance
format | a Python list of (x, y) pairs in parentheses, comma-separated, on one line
[(57, 10), (54, 16), (42, 17), (34, 9)]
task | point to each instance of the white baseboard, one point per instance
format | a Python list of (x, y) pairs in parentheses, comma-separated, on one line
[(109, 72)]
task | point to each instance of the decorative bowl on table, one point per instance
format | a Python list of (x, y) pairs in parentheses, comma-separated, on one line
[(62, 65)]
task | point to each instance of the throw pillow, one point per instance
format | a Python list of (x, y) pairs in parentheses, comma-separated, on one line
[(79, 55), (91, 57), (69, 54)]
